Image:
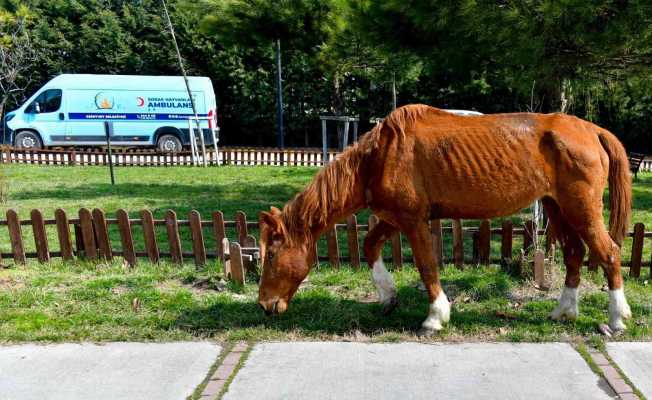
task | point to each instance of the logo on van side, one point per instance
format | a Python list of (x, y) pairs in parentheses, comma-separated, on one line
[(140, 101), (103, 101)]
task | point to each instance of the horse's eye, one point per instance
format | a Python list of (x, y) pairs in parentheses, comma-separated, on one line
[(270, 256)]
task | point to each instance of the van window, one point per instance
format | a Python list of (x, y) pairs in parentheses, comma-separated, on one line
[(48, 101)]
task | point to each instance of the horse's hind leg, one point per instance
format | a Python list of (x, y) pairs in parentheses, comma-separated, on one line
[(590, 226), (573, 250), (373, 245)]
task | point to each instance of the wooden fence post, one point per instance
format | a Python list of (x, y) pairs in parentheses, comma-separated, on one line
[(507, 230), (219, 233), (197, 236), (484, 242), (241, 226), (237, 267), (102, 233), (437, 242), (458, 243), (173, 237), (637, 250), (149, 235), (40, 236), (333, 247), (63, 232), (87, 233), (352, 239), (373, 221), (124, 225)]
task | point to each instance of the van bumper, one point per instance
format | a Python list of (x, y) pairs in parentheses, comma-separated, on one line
[(208, 136)]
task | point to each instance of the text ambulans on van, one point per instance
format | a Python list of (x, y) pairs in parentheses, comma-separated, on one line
[(70, 110)]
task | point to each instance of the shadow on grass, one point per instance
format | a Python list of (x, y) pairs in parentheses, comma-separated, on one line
[(317, 312)]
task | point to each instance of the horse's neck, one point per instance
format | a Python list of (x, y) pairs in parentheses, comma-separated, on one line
[(335, 193)]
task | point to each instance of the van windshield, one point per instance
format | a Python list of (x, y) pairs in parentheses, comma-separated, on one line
[(48, 101)]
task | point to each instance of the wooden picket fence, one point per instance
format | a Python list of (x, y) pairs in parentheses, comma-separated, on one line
[(91, 240), (153, 158)]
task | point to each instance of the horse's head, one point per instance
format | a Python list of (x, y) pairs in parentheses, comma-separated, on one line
[(285, 264)]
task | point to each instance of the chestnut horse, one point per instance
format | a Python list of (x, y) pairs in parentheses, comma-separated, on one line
[(423, 163)]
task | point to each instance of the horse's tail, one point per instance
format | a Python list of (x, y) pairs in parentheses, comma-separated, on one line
[(620, 186)]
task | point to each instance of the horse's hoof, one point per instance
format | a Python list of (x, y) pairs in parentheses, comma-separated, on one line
[(390, 306), (617, 326), (427, 332)]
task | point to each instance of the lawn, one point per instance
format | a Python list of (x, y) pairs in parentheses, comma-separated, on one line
[(106, 301)]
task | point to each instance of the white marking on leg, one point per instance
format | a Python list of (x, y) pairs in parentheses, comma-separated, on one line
[(618, 309), (384, 282), (567, 306), (440, 313)]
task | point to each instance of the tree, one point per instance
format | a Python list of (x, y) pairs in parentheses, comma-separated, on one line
[(16, 56)]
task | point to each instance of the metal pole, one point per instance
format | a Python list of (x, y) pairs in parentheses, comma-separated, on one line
[(324, 137), (108, 130), (183, 72), (279, 97), (394, 90), (345, 142)]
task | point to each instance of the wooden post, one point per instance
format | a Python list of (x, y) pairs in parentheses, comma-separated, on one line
[(87, 233), (637, 250), (333, 247), (484, 242), (40, 236), (241, 226), (352, 239), (458, 244), (539, 275), (237, 268), (63, 232), (102, 233), (124, 225), (173, 237), (149, 235), (397, 254), (506, 236), (528, 236), (219, 233), (197, 235), (437, 242)]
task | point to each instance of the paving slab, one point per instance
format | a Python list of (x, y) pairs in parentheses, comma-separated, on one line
[(129, 371), (416, 371), (635, 360)]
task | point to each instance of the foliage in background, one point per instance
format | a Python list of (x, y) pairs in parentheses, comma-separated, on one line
[(589, 58)]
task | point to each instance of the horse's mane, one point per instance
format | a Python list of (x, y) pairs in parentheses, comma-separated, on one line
[(336, 186)]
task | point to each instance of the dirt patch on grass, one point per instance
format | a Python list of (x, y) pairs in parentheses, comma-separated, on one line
[(10, 283)]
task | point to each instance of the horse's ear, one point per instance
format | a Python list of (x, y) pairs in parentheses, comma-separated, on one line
[(273, 222), (275, 211)]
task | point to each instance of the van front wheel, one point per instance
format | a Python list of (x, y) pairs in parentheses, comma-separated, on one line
[(168, 144), (27, 140)]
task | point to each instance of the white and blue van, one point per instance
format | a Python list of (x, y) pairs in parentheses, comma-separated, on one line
[(70, 110)]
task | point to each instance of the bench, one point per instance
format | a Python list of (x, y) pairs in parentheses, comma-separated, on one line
[(635, 161)]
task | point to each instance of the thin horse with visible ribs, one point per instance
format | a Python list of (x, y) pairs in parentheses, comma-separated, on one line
[(423, 163)]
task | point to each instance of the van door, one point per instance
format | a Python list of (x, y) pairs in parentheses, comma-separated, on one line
[(46, 115)]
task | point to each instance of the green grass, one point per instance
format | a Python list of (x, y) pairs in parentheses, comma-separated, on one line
[(81, 301)]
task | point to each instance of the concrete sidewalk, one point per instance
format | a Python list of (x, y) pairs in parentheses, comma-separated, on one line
[(416, 371), (318, 370), (161, 371)]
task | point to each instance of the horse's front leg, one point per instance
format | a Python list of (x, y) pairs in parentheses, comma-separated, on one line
[(373, 245), (421, 242)]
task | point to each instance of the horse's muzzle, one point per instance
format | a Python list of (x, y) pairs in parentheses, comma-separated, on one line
[(270, 308)]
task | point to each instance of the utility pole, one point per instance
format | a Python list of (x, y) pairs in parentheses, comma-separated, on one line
[(279, 96)]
